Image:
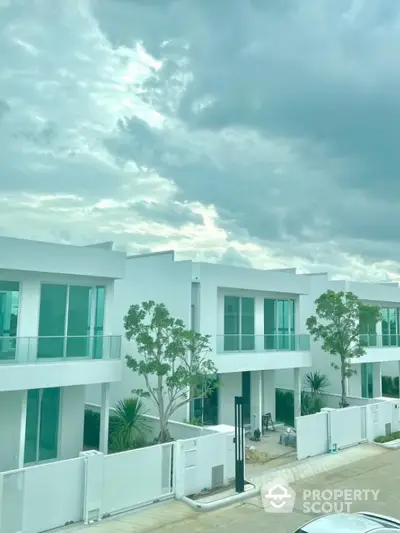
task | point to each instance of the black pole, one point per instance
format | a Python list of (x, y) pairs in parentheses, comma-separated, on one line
[(239, 445)]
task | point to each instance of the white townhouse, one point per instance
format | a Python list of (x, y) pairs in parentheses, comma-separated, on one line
[(382, 340), (55, 339), (254, 318)]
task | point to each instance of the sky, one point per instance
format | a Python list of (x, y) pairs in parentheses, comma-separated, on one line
[(248, 132)]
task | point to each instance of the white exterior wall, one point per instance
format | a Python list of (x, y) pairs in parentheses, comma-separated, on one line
[(10, 423), (35, 256), (72, 410), (150, 277)]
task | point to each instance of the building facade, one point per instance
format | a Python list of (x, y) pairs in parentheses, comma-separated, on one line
[(254, 318), (55, 339)]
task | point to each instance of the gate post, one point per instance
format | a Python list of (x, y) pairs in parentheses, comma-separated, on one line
[(239, 444)]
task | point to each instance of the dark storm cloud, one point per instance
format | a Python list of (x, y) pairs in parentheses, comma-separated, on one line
[(318, 77)]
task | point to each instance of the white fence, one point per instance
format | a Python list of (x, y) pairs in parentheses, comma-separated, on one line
[(47, 496), (340, 428), (178, 430)]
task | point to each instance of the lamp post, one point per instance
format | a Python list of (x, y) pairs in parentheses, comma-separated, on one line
[(239, 444)]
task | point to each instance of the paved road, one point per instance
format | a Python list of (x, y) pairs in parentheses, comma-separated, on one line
[(380, 472)]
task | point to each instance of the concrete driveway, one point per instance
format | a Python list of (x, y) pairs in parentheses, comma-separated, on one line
[(379, 473)]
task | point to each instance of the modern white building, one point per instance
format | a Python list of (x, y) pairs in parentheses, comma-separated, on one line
[(55, 338), (254, 317), (382, 340)]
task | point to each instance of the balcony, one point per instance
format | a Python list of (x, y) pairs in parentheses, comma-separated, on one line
[(379, 348), (35, 362), (262, 352), (28, 350)]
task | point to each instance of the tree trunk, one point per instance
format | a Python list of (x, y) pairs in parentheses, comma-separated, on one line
[(343, 402), (164, 435)]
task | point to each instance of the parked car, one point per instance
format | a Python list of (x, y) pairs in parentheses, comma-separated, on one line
[(351, 523)]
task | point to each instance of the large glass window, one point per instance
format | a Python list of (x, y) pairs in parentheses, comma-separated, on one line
[(238, 323), (231, 323), (9, 304), (390, 326), (71, 321), (279, 324), (367, 387), (42, 425), (247, 323), (99, 322), (52, 319), (79, 314)]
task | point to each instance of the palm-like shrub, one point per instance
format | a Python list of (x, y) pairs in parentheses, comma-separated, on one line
[(129, 425)]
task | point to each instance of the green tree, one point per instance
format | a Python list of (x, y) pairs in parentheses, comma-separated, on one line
[(172, 360), (338, 324)]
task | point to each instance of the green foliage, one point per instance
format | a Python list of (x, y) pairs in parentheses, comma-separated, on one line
[(311, 403), (390, 386), (337, 324), (173, 360), (129, 425), (387, 438), (315, 381), (284, 405)]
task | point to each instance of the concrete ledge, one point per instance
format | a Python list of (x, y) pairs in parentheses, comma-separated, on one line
[(250, 491)]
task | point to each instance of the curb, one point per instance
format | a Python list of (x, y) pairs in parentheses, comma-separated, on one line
[(223, 502)]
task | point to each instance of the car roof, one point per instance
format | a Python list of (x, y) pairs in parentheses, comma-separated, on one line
[(345, 523)]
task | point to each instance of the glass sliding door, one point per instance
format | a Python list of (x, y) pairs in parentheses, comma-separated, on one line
[(270, 311), (292, 337), (283, 325), (231, 323), (385, 326), (99, 322), (367, 387), (71, 321), (49, 422), (32, 426), (42, 425), (247, 324), (52, 321), (9, 305), (392, 327), (79, 314)]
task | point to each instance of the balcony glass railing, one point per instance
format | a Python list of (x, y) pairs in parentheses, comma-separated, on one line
[(379, 341), (41, 349), (262, 343)]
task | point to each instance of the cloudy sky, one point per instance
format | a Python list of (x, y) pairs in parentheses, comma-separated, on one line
[(250, 132)]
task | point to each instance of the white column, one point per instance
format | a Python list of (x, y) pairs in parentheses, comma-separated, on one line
[(269, 393), (297, 393), (398, 373), (377, 380), (260, 399), (22, 431), (379, 334), (104, 417)]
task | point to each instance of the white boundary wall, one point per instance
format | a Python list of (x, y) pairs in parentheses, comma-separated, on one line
[(47, 496), (336, 429)]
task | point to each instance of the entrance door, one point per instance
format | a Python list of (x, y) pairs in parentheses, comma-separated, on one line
[(246, 393), (367, 374)]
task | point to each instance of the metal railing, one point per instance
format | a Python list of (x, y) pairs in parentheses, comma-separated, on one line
[(262, 343), (371, 340), (39, 349)]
